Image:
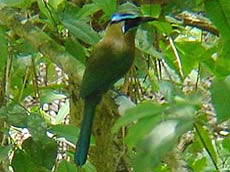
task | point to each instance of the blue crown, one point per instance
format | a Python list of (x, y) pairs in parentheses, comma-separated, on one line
[(122, 16)]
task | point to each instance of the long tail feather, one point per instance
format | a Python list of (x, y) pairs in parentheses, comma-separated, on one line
[(83, 143)]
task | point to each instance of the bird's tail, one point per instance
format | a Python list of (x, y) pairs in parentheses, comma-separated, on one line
[(83, 143)]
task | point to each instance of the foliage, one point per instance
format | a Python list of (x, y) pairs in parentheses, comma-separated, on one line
[(182, 67)]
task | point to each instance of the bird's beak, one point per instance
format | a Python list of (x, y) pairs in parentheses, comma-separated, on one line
[(147, 19), (141, 20)]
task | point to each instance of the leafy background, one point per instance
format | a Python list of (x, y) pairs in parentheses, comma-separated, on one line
[(172, 115)]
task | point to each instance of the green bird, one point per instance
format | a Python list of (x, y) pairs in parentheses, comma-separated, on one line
[(111, 59)]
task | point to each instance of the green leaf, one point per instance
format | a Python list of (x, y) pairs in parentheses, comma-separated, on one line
[(144, 43), (69, 132), (147, 116), (17, 3), (168, 90), (190, 53), (16, 78), (57, 4), (75, 49), (19, 160), (163, 27), (205, 136), (43, 9), (200, 164), (127, 7), (66, 166), (140, 111), (218, 65), (16, 115), (35, 156), (88, 167), (62, 113), (195, 148), (226, 144), (49, 95), (224, 51), (160, 141), (151, 10), (219, 13), (177, 5), (4, 152), (3, 48), (81, 31), (3, 113), (42, 153), (156, 130), (220, 94), (49, 13), (108, 6), (138, 131), (71, 10), (37, 127), (87, 10)]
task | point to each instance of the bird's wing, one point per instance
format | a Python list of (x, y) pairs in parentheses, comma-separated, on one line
[(107, 65)]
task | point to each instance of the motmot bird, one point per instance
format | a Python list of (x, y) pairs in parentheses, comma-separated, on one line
[(111, 59)]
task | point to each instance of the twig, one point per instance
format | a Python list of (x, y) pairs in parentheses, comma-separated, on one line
[(24, 84), (199, 21), (198, 76), (35, 79), (206, 148), (177, 57)]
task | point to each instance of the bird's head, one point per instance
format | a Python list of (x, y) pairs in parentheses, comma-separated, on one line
[(128, 21)]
